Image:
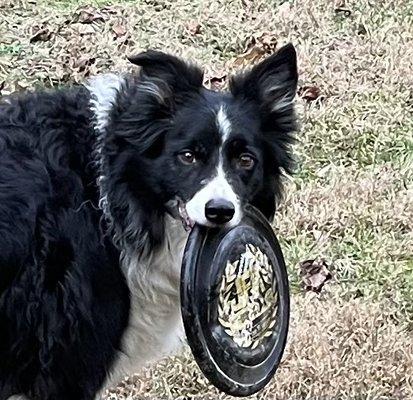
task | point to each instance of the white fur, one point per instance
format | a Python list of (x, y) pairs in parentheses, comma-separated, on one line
[(223, 123), (155, 326), (104, 90), (281, 97), (154, 90), (217, 188)]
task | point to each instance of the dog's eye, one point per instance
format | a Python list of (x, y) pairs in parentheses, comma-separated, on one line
[(246, 161), (187, 157)]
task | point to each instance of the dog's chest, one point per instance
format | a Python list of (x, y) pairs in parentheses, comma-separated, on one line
[(155, 326)]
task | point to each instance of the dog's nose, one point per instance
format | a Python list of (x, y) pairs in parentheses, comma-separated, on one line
[(219, 211)]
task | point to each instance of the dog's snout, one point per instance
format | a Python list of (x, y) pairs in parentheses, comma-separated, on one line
[(219, 211)]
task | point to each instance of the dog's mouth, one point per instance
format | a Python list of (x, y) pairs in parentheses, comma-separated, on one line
[(177, 209), (187, 222)]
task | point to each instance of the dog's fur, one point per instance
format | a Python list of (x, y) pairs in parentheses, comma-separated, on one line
[(97, 184)]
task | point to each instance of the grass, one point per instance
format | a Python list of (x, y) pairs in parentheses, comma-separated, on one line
[(350, 202)]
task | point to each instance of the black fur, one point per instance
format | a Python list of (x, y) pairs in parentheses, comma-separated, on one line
[(64, 302)]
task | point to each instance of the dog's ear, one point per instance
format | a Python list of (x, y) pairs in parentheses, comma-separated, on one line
[(272, 83), (167, 72), (271, 86)]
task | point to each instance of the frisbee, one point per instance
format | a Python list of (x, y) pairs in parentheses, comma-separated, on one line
[(235, 303)]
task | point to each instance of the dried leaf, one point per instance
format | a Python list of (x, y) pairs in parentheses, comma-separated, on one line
[(251, 56), (119, 30), (257, 48), (87, 15), (315, 273), (310, 93), (217, 81), (40, 34), (193, 27)]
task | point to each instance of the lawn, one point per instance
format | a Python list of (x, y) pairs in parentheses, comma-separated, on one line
[(350, 203)]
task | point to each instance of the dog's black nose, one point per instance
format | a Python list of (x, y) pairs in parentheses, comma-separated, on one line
[(219, 211)]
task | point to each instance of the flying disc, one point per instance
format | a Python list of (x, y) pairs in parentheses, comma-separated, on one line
[(235, 303)]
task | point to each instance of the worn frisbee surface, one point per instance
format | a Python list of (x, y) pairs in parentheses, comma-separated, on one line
[(235, 303)]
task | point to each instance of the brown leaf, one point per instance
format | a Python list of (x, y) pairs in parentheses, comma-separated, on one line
[(315, 273), (88, 14), (257, 47), (40, 34), (119, 30), (216, 83), (310, 93), (216, 79), (193, 27), (251, 56)]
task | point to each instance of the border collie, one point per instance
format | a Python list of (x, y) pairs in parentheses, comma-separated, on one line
[(99, 186)]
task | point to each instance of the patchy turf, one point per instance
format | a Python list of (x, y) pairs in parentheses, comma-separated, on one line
[(351, 200)]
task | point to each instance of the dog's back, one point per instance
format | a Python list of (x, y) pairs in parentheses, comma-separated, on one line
[(59, 278)]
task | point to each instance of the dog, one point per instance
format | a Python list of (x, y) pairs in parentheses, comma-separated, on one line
[(99, 186)]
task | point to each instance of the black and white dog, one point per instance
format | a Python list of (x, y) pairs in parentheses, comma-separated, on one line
[(99, 185)]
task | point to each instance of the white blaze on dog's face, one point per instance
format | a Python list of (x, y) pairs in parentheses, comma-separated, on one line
[(216, 152), (217, 202)]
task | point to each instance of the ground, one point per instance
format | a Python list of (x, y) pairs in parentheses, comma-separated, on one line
[(350, 202)]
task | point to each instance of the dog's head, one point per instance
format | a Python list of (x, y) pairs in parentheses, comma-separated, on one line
[(202, 154)]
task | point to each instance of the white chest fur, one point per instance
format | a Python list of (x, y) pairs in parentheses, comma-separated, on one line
[(155, 326)]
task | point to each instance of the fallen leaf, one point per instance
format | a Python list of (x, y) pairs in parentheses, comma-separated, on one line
[(40, 34), (257, 47), (251, 56), (309, 93), (216, 80), (119, 30), (315, 273), (87, 15), (193, 27)]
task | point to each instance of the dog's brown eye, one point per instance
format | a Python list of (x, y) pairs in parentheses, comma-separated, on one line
[(246, 161), (187, 157)]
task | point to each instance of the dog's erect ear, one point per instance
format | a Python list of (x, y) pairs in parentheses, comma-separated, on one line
[(272, 83), (177, 74)]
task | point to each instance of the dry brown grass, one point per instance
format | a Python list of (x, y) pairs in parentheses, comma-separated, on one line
[(351, 200), (337, 350)]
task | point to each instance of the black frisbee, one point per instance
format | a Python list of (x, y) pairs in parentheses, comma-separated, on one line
[(235, 303)]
